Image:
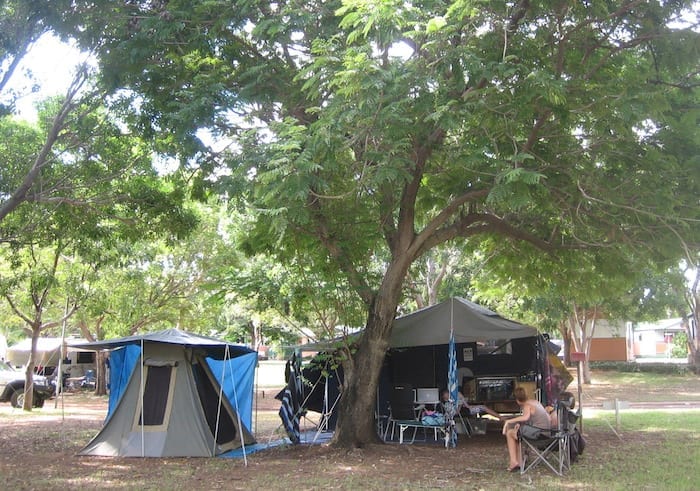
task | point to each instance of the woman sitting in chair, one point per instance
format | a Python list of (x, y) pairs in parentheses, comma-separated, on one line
[(533, 414), (474, 409)]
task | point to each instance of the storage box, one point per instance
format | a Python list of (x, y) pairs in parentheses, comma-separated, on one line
[(460, 428), (479, 425)]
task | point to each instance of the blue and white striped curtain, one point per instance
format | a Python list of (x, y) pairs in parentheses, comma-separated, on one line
[(291, 410), (452, 384)]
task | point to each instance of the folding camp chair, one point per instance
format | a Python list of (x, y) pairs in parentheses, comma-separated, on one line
[(550, 446), (401, 408), (382, 413)]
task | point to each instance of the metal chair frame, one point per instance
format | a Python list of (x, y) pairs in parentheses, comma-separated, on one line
[(553, 449)]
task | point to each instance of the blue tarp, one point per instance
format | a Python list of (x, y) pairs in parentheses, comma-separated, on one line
[(306, 438), (239, 453), (121, 363), (236, 379)]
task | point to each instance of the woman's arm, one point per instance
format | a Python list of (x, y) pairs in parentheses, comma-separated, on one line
[(524, 417)]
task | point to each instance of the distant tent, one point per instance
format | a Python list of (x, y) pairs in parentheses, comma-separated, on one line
[(48, 352), (175, 394)]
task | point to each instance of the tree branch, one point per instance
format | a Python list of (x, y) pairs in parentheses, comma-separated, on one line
[(445, 214), (518, 14), (42, 159), (17, 311), (55, 323), (406, 220)]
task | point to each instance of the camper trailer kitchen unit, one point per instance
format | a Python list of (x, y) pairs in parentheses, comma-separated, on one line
[(494, 355)]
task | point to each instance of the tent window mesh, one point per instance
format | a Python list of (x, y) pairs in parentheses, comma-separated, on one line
[(209, 398), (155, 397)]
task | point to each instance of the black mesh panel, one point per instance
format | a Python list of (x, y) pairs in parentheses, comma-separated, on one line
[(155, 397), (209, 397)]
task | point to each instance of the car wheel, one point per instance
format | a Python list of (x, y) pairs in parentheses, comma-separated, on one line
[(17, 399)]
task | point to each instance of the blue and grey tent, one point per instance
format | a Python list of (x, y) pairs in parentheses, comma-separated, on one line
[(175, 394)]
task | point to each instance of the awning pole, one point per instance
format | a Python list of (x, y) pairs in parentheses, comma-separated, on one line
[(257, 400), (143, 435), (218, 407), (59, 375)]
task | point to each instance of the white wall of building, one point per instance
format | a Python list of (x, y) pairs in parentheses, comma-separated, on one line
[(605, 328)]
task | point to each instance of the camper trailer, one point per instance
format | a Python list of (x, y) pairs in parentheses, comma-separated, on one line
[(494, 355), (75, 364)]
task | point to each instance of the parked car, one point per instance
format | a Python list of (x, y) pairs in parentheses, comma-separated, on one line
[(12, 387)]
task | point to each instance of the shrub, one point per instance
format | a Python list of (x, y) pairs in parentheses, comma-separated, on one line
[(632, 367), (680, 345)]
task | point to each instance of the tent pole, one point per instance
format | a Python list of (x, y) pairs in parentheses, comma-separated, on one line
[(143, 435), (227, 358), (59, 374), (323, 423), (255, 390), (238, 417), (452, 384), (325, 405), (327, 411), (218, 408)]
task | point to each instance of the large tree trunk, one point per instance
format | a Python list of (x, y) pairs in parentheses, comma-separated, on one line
[(355, 427)]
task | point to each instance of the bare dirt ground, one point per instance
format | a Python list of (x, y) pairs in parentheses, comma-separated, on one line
[(39, 452)]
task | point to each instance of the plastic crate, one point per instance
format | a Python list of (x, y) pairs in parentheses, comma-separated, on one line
[(479, 425)]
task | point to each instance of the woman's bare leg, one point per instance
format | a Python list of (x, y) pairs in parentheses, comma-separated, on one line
[(513, 454)]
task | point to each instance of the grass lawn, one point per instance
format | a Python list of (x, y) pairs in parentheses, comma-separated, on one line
[(654, 450), (640, 387)]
